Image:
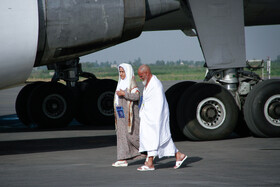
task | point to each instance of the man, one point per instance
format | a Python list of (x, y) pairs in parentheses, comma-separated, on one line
[(155, 136)]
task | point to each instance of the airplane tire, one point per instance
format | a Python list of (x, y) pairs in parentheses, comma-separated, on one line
[(52, 105), (262, 109), (22, 101), (207, 111), (83, 86), (173, 95), (86, 84), (98, 103)]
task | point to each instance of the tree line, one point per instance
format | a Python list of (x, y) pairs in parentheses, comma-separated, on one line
[(169, 70), (138, 62)]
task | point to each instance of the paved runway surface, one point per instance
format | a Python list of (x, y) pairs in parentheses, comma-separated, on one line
[(82, 156)]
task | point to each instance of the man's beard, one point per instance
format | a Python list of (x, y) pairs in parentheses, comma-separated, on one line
[(144, 82)]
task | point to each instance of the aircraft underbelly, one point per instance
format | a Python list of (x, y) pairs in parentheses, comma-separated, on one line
[(19, 37)]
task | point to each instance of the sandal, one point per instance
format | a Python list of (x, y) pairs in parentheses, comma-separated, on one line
[(179, 163), (145, 168), (120, 163)]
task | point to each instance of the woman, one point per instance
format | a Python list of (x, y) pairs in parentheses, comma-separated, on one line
[(126, 116)]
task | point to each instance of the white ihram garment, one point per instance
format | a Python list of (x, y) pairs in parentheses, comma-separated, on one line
[(155, 136)]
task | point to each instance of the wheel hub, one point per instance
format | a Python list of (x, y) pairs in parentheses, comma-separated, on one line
[(211, 113), (272, 110), (54, 106), (208, 113), (105, 103)]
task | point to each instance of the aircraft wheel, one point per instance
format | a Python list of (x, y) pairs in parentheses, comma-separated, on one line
[(22, 101), (207, 112), (262, 109), (86, 84), (82, 88), (173, 95), (52, 105), (98, 103)]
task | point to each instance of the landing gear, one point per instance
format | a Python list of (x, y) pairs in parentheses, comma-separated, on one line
[(46, 104), (173, 95), (262, 109), (96, 105), (52, 104), (207, 112), (22, 102)]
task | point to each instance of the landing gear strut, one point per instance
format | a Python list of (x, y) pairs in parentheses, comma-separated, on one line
[(52, 104)]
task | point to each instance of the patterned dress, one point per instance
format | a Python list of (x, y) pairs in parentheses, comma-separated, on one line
[(128, 143)]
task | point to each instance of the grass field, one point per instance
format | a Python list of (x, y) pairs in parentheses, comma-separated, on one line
[(163, 72)]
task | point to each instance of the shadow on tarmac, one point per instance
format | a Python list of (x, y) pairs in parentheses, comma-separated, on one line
[(11, 124), (55, 144)]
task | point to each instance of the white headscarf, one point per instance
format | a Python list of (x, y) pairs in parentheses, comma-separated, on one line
[(123, 84), (128, 83)]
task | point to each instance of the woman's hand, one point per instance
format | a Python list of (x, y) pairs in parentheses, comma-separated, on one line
[(120, 93)]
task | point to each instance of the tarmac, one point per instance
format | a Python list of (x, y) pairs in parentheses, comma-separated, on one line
[(82, 156)]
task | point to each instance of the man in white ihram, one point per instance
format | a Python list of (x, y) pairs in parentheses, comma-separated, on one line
[(155, 136)]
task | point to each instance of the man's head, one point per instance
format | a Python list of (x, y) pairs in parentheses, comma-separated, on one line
[(144, 73)]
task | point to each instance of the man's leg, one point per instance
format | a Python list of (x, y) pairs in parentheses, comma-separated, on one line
[(179, 156), (148, 166), (151, 155)]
